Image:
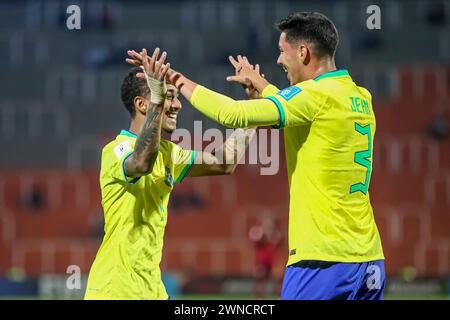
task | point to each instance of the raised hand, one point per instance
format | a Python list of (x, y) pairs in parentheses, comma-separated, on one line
[(151, 66), (248, 76), (154, 71)]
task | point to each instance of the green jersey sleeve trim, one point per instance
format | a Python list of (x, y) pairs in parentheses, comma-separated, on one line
[(280, 111), (134, 180), (186, 168), (128, 134)]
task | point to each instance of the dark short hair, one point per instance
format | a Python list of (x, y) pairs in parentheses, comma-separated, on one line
[(312, 27), (132, 87)]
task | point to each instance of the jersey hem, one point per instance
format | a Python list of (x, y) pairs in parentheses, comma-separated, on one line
[(329, 258), (106, 297)]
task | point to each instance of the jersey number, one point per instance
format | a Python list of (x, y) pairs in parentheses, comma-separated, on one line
[(362, 158)]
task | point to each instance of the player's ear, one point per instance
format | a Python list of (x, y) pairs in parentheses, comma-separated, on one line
[(141, 104), (304, 53)]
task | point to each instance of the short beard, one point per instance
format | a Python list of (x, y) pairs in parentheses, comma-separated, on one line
[(169, 131)]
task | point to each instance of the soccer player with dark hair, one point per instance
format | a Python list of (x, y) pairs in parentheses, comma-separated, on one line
[(335, 249), (138, 171)]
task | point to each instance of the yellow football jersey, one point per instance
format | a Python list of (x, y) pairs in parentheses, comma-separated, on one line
[(329, 132), (127, 263)]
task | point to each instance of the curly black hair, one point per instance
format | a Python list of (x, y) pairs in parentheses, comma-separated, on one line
[(313, 27), (132, 87)]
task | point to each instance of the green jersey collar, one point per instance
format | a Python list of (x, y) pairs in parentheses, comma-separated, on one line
[(335, 73), (128, 134)]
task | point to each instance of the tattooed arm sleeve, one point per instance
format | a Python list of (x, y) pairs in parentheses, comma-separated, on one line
[(142, 160)]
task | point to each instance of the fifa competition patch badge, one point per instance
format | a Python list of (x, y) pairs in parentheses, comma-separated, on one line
[(122, 148), (289, 93)]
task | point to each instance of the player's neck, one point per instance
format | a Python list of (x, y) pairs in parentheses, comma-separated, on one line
[(136, 125), (321, 67)]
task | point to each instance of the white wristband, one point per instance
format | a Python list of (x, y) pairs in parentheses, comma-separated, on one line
[(158, 90)]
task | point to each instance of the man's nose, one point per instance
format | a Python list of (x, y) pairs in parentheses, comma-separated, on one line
[(176, 104), (279, 60)]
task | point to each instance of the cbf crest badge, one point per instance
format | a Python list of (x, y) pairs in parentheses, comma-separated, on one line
[(169, 179)]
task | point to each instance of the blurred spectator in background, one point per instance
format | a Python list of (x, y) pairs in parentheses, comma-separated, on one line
[(435, 15), (101, 16), (34, 199), (266, 237), (439, 127)]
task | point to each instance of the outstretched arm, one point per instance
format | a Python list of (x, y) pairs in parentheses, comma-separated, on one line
[(225, 159), (220, 108)]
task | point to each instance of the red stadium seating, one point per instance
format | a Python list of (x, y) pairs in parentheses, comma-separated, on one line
[(410, 193)]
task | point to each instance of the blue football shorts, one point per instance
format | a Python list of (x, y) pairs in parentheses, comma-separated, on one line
[(321, 280)]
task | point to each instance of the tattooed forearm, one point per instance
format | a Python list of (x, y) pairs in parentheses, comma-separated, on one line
[(147, 144), (148, 141)]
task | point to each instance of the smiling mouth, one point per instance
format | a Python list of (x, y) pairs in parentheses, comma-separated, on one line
[(171, 115)]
